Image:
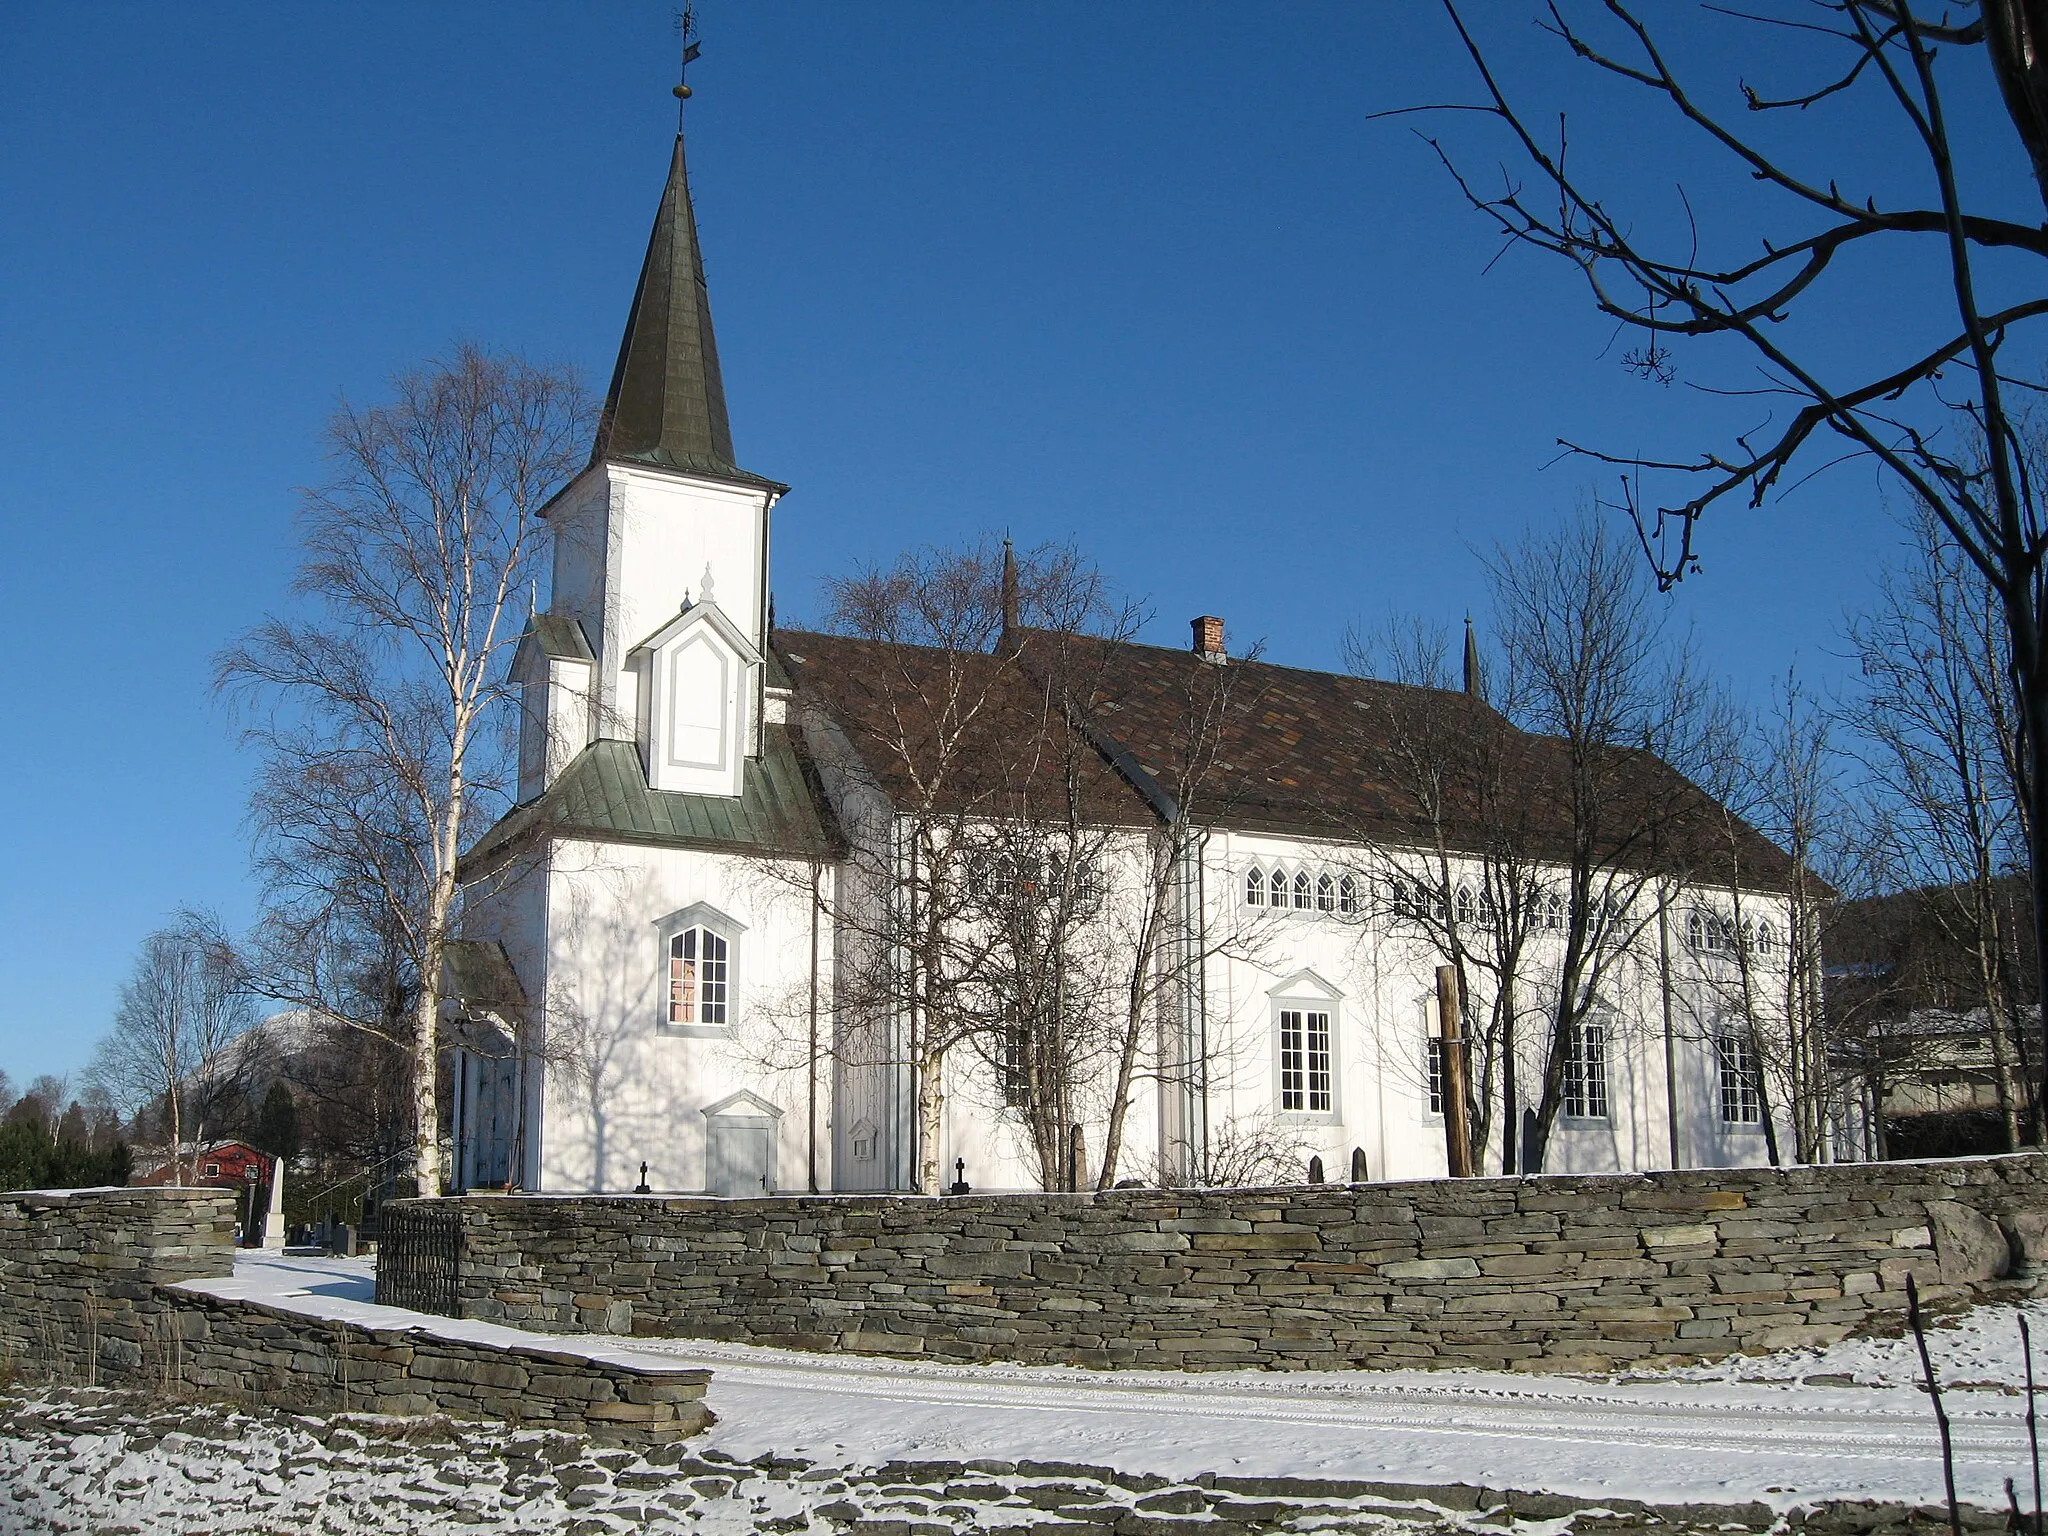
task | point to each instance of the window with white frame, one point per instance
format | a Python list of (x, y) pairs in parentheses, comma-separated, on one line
[(1326, 893), (1553, 910), (1255, 887), (1585, 1071), (1766, 938), (1305, 1075), (1435, 1068), (1303, 897), (1348, 895), (1741, 1102), (697, 977), (1276, 885)]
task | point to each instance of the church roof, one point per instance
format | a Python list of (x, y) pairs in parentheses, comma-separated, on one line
[(666, 404), (603, 796), (959, 733), (1290, 752)]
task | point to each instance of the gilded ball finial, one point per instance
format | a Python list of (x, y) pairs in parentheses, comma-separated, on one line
[(682, 93)]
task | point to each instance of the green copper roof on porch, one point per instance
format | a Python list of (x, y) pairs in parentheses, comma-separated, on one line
[(666, 404)]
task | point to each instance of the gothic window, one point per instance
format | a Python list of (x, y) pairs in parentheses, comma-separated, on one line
[(1278, 886), (864, 1138), (1708, 932), (1326, 894), (697, 977), (1741, 1103), (1766, 938), (1553, 910), (1585, 1071), (1467, 906), (1255, 888), (1347, 894), (1305, 1076), (1301, 890), (1000, 877)]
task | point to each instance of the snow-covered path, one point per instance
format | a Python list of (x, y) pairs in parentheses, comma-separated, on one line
[(1658, 1441), (1789, 1429)]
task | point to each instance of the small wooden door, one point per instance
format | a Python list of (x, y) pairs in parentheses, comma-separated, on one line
[(740, 1154)]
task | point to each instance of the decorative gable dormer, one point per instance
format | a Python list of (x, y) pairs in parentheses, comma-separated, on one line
[(698, 676)]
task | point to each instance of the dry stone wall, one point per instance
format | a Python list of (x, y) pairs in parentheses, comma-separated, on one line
[(1542, 1273), (95, 1287)]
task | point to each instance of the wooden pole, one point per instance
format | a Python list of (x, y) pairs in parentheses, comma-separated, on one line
[(1457, 1134)]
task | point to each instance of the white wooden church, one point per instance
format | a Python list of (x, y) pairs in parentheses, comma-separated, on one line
[(658, 973)]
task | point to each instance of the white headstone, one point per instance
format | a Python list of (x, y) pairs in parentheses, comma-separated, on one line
[(273, 1224)]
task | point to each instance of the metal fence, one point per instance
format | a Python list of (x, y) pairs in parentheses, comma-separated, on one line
[(419, 1258)]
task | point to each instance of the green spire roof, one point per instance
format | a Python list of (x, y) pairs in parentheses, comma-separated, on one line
[(666, 405)]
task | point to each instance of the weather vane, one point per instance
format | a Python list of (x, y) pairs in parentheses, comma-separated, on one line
[(686, 27)]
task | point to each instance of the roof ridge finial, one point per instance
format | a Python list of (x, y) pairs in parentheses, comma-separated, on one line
[(686, 28)]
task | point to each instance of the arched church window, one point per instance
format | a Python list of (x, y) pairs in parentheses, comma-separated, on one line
[(697, 979), (1347, 894), (1278, 886), (1326, 894), (1301, 890), (1255, 888)]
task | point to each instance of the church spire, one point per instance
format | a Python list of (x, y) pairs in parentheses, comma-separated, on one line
[(1475, 679), (666, 404)]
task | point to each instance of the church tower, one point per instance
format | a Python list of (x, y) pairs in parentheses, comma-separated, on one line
[(657, 628)]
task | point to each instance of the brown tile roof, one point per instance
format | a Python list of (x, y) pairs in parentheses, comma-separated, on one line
[(958, 732), (1295, 753)]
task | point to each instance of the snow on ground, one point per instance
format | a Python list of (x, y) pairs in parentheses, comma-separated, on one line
[(116, 1464), (1789, 1429)]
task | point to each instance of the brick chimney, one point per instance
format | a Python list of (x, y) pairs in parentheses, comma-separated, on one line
[(1209, 638)]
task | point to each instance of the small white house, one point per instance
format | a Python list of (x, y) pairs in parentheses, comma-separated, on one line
[(672, 939)]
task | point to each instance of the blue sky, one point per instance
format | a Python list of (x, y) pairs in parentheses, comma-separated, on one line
[(1146, 276)]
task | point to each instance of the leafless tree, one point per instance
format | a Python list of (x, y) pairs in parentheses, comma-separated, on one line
[(1471, 882), (41, 1103), (1936, 724), (1154, 943), (1774, 771), (373, 709), (1592, 669), (1010, 890), (945, 740), (183, 1009), (1938, 413)]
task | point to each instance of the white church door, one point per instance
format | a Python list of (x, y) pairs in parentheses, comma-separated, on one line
[(739, 1146)]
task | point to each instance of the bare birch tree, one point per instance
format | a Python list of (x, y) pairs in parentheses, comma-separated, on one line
[(1755, 932), (1936, 413), (945, 737), (182, 1010), (374, 708), (1593, 670)]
